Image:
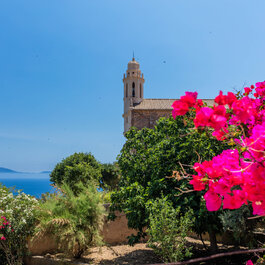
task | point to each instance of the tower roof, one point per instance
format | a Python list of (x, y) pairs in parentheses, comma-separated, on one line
[(133, 65)]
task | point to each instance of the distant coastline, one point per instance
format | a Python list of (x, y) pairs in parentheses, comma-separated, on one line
[(7, 170)]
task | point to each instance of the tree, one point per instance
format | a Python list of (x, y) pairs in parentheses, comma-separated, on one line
[(110, 176), (75, 168), (147, 161)]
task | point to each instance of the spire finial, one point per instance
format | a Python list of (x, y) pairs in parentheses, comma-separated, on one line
[(133, 56)]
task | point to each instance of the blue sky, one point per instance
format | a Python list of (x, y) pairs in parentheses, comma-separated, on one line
[(62, 62)]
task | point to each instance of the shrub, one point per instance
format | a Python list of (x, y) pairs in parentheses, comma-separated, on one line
[(18, 216), (73, 219), (75, 168), (168, 230), (110, 176), (237, 222)]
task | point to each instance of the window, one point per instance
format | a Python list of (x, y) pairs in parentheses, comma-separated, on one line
[(133, 89), (126, 90), (140, 90)]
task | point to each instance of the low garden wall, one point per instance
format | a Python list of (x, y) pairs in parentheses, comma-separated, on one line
[(114, 233)]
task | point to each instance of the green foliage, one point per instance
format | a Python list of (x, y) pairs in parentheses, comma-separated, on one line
[(106, 196), (75, 168), (237, 222), (85, 168), (74, 219), (168, 231), (110, 176), (208, 222), (20, 212), (147, 161), (260, 261)]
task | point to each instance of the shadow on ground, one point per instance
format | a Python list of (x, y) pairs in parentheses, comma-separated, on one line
[(142, 256)]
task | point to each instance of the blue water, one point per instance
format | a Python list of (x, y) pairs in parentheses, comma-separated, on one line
[(31, 183)]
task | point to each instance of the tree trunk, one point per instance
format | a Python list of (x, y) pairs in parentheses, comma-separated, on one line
[(213, 242)]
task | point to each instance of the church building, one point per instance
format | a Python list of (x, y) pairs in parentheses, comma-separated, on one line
[(138, 111)]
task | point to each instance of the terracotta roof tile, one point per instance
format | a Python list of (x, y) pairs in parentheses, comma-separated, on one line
[(159, 104)]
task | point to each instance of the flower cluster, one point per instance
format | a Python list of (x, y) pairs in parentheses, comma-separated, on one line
[(5, 228), (18, 216), (236, 176)]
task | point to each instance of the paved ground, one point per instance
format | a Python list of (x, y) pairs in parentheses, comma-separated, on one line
[(139, 254)]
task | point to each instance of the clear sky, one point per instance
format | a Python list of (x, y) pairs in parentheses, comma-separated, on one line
[(62, 63)]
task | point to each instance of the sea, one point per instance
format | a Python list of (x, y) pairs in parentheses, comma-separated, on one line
[(31, 183)]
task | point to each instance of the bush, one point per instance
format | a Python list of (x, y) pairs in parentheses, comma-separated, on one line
[(110, 176), (73, 219), (75, 168), (168, 230), (18, 216), (237, 222)]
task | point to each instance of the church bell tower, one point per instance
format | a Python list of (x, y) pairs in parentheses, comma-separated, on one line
[(133, 82)]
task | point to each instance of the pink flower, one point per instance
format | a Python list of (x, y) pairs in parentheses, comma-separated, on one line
[(244, 111), (179, 108), (231, 98), (258, 208), (221, 99), (249, 262), (203, 117), (220, 134), (247, 91), (223, 186), (3, 238), (199, 104), (189, 98), (235, 201), (213, 201), (197, 183), (260, 89), (217, 122)]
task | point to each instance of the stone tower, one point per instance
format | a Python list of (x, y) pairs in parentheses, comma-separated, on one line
[(140, 112), (133, 82)]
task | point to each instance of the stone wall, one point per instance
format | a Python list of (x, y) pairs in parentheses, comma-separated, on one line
[(148, 118), (117, 231), (114, 232)]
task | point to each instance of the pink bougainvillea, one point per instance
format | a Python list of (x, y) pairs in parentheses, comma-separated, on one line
[(236, 176), (249, 262)]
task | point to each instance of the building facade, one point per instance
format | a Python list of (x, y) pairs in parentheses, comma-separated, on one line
[(138, 111)]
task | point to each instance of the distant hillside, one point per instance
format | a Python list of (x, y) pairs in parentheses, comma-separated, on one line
[(7, 170), (45, 172)]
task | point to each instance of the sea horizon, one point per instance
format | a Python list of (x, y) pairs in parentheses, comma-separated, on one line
[(33, 184)]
